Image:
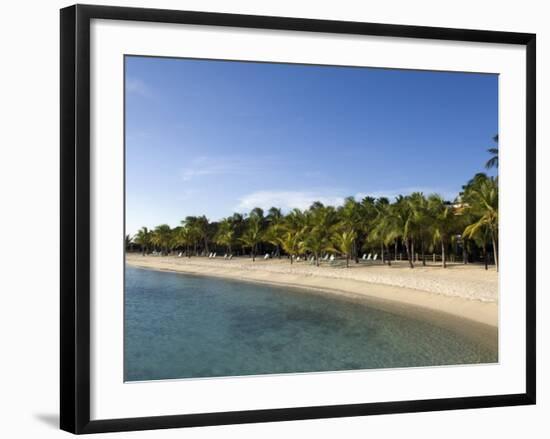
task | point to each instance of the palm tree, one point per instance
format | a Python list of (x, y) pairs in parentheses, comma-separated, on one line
[(482, 199), (493, 161), (368, 218), (351, 218), (401, 224), (295, 220), (202, 223), (273, 235), (422, 222), (127, 242), (275, 229), (184, 238), (198, 226), (481, 237), (162, 237), (443, 224), (382, 231), (317, 239), (252, 235), (225, 234), (175, 239), (143, 239), (292, 243), (344, 242)]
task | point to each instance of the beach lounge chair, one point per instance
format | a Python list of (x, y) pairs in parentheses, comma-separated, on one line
[(369, 257), (326, 257), (332, 258), (214, 255), (364, 256), (266, 256), (298, 259), (230, 257), (375, 257)]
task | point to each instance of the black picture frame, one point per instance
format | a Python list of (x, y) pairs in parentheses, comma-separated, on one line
[(75, 217)]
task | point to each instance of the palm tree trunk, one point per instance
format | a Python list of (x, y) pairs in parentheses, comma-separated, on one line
[(347, 261), (407, 249), (443, 256), (395, 249), (382, 252), (485, 256), (389, 257), (423, 253)]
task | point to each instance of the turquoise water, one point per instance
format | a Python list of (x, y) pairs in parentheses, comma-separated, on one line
[(181, 326)]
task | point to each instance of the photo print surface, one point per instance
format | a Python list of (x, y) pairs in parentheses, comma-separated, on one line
[(289, 218)]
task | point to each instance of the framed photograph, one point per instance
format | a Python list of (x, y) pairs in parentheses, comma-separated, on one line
[(268, 218)]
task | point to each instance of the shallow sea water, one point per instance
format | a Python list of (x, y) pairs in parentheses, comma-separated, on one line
[(182, 326)]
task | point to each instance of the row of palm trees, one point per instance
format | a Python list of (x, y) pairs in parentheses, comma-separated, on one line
[(416, 224)]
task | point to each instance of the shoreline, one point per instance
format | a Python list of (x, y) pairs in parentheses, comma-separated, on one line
[(356, 284)]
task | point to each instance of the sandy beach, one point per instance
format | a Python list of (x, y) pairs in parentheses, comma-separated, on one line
[(463, 291)]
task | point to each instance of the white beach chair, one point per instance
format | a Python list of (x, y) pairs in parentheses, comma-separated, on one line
[(332, 258), (326, 257), (230, 257), (364, 256), (375, 257), (225, 256), (298, 259), (214, 255), (369, 257), (266, 256), (179, 254)]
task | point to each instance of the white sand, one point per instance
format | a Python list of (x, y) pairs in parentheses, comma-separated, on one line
[(466, 291)]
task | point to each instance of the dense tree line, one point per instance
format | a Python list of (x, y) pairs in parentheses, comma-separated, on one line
[(414, 225)]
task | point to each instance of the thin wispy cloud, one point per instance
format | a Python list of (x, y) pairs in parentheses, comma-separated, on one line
[(209, 166), (187, 194), (138, 87)]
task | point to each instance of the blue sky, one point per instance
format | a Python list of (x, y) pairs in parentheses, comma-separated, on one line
[(217, 137)]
